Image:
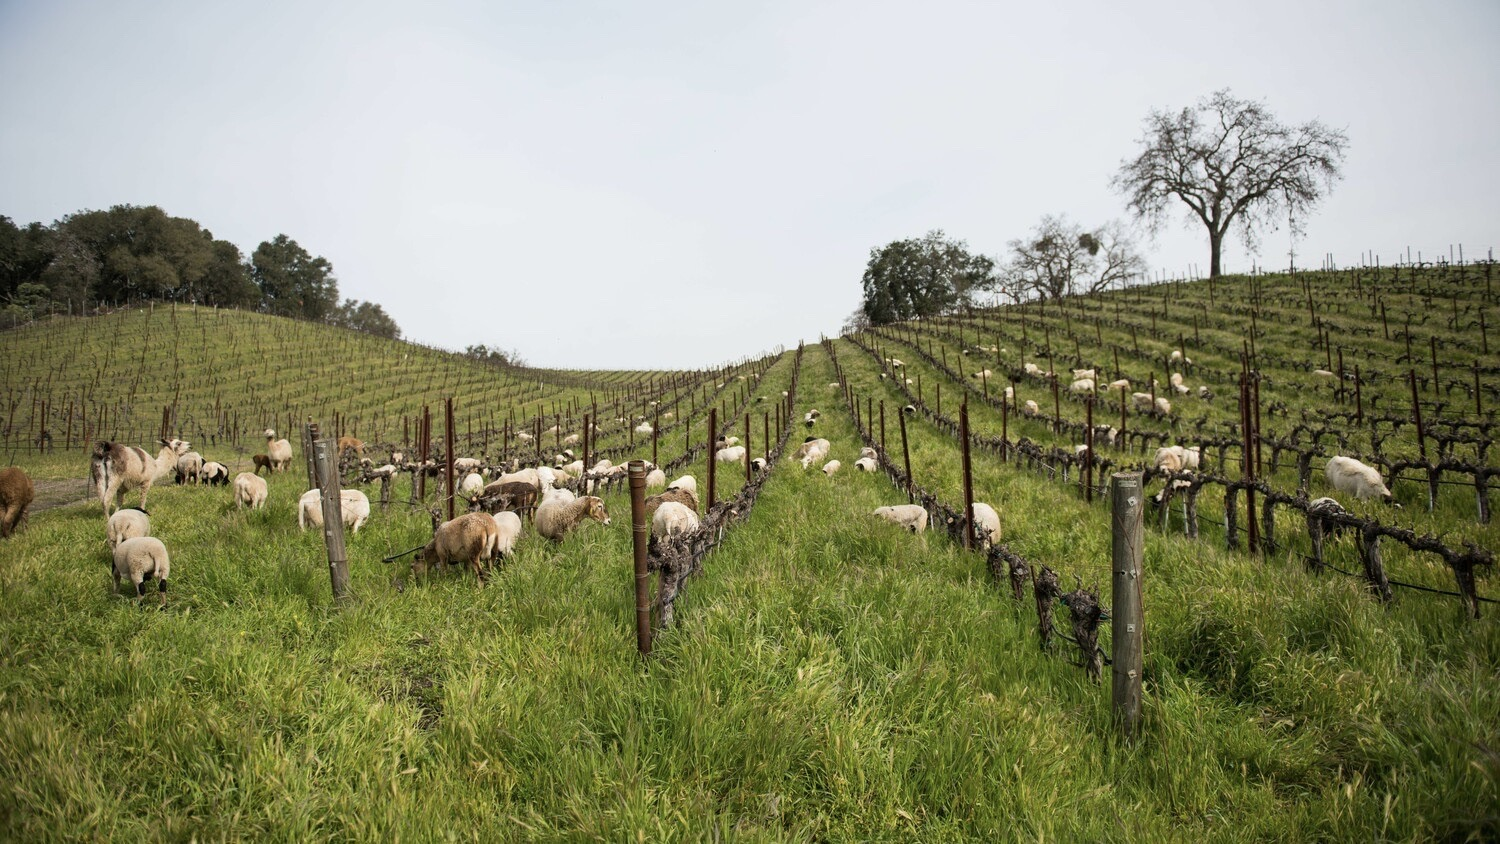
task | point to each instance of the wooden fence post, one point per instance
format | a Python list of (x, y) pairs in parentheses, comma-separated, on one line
[(327, 463), (640, 532), (1126, 550)]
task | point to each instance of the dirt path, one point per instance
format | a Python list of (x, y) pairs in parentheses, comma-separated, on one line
[(51, 493)]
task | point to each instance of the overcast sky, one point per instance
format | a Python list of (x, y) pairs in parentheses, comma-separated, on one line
[(663, 185)]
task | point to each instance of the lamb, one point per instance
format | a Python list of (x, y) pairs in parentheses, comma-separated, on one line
[(831, 466), (280, 451), (510, 531), (354, 507), (733, 454), (866, 464), (472, 538), (250, 490), (142, 558), (1080, 374), (685, 497), (16, 494), (554, 518), (214, 473), (126, 523), (1082, 385), (673, 518), (188, 467), (913, 517), (261, 461), (351, 444), (116, 468), (1350, 476), (813, 450)]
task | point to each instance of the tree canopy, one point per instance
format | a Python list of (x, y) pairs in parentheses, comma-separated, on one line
[(1232, 163), (922, 277), (1059, 258)]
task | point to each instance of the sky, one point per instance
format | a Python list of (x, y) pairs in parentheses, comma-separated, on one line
[(659, 185)]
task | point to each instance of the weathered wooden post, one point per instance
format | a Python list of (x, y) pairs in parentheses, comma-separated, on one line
[(963, 434), (310, 436), (1127, 553), (640, 533), (327, 463)]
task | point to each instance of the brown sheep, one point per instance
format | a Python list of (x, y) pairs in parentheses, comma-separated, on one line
[(555, 516), (351, 444), (472, 538), (262, 462), (517, 497), (16, 493), (678, 494)]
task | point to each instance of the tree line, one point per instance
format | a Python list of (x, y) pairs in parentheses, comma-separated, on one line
[(1228, 162), (133, 253)]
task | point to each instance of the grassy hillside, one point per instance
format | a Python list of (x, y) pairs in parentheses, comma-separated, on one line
[(830, 677)]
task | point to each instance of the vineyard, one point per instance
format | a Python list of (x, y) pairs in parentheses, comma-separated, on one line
[(1310, 674)]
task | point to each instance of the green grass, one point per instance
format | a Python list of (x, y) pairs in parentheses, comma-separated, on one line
[(831, 678)]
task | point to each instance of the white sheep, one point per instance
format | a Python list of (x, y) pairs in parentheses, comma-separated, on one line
[(126, 523), (354, 508), (733, 454), (673, 518), (686, 482), (1350, 476), (116, 468), (1010, 393), (644, 428), (142, 558), (656, 479), (555, 518), (1082, 386), (812, 450), (913, 517), (1176, 458), (1163, 406), (509, 525), (250, 490), (1141, 401), (866, 464), (1121, 384), (986, 525), (1080, 374), (868, 451), (189, 466), (983, 375), (280, 451), (1322, 373), (1179, 357), (1204, 393), (831, 466), (758, 465), (471, 485), (1031, 408), (465, 465), (1032, 369)]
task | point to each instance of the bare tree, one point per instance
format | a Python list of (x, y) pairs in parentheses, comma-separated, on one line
[(1232, 163), (1059, 258)]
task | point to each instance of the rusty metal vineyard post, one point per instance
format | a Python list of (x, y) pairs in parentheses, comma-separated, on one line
[(963, 433), (640, 533)]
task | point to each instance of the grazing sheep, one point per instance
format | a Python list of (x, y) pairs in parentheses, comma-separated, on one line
[(812, 450), (866, 464), (16, 494), (983, 375), (1080, 374), (1163, 406), (351, 444), (733, 454), (1323, 373), (758, 465), (644, 428), (687, 482), (555, 518), (1177, 385), (465, 465), (1082, 385), (1141, 401), (389, 470), (510, 531), (810, 418), (909, 410), (1205, 393), (126, 523), (214, 473), (250, 490), (725, 442), (280, 451), (831, 466), (571, 439), (656, 479), (867, 451), (673, 518), (1121, 384), (1178, 357), (142, 558), (261, 461), (472, 538), (524, 436), (986, 525), (1176, 458), (1031, 408), (471, 485), (913, 517), (686, 497), (116, 468), (514, 496), (188, 467), (897, 362), (1031, 369), (1350, 476), (1010, 393), (354, 507)]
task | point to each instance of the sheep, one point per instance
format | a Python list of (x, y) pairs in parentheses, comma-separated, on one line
[(1322, 373), (1082, 385), (725, 442), (354, 507), (554, 518), (471, 485), (116, 468), (909, 410), (733, 454), (687, 482), (523, 476), (188, 467), (571, 439), (1350, 476), (575, 468), (465, 465), (1177, 385), (1176, 458), (510, 531), (758, 465), (1120, 384), (515, 496), (142, 558), (1031, 369), (810, 418), (656, 479), (261, 461), (250, 490), (563, 495), (868, 451), (472, 538), (1205, 393), (983, 375), (897, 362), (280, 451), (1010, 394), (913, 517), (1080, 374), (831, 466), (126, 523), (986, 525), (682, 496), (352, 445), (1141, 401), (389, 470), (524, 437), (644, 428), (1179, 357), (214, 473), (672, 519), (866, 464), (813, 450), (1163, 406), (1031, 408), (16, 494)]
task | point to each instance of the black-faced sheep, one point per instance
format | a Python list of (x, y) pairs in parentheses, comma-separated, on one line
[(250, 490), (126, 523), (555, 518), (280, 451), (16, 494), (142, 558), (116, 468)]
